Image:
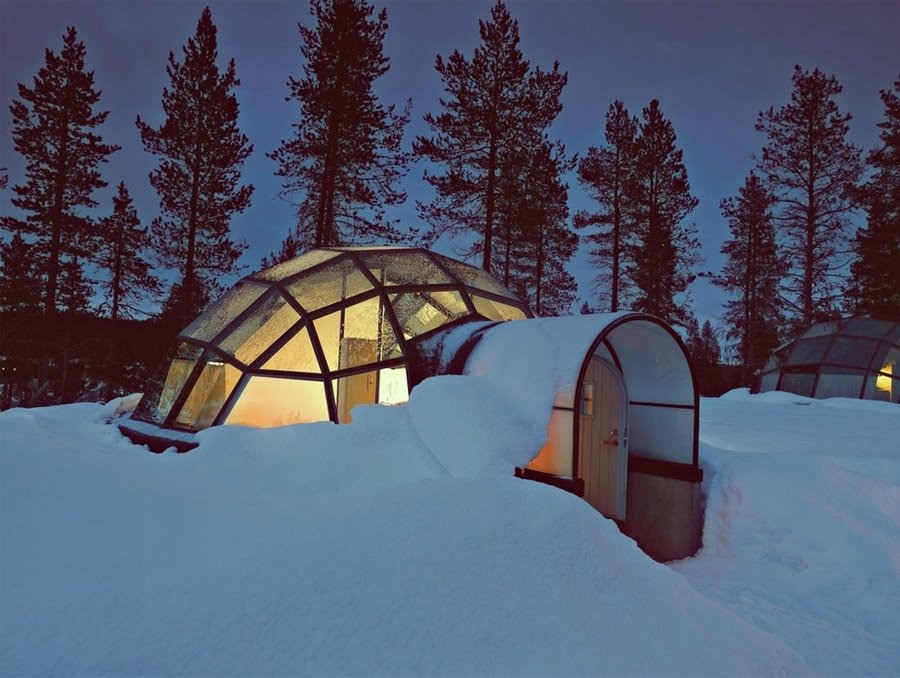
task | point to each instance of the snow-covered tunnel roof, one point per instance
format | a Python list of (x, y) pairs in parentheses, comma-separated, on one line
[(540, 363)]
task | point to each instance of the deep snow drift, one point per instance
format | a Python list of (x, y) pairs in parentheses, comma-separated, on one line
[(401, 544), (802, 526)]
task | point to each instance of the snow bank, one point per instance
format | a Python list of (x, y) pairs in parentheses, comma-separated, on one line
[(118, 407), (802, 530), (398, 545)]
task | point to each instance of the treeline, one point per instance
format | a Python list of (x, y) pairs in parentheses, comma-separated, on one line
[(498, 178)]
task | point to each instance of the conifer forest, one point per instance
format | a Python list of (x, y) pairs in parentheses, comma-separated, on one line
[(97, 282)]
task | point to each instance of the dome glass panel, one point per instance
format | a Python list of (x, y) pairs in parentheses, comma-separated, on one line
[(851, 358), (310, 338)]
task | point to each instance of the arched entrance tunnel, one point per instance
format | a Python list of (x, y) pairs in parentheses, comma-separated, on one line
[(623, 427)]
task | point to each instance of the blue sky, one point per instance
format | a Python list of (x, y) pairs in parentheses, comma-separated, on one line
[(712, 65)]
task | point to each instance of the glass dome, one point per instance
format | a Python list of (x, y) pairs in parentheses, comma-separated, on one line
[(308, 339), (851, 358)]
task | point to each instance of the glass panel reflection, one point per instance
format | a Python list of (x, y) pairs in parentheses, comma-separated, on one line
[(330, 285), (800, 383), (768, 381), (215, 384), (851, 351), (225, 309), (836, 382), (475, 277), (293, 266), (495, 310), (808, 351), (867, 327), (420, 312), (297, 355), (271, 401), (359, 335), (258, 332), (408, 268), (186, 356)]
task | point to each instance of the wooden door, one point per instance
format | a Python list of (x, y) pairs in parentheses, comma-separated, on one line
[(602, 439), (358, 389)]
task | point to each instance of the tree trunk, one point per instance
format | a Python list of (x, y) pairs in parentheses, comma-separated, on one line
[(57, 218), (539, 272), (617, 234), (188, 291), (808, 260), (489, 205), (112, 373)]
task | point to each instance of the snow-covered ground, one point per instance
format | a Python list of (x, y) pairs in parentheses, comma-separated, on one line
[(402, 545)]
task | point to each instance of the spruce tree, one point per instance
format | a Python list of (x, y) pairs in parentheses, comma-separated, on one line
[(53, 127), (703, 347), (664, 250), (493, 101), (20, 282), (874, 285), (811, 167), (200, 151), (752, 273), (606, 173), (122, 251), (122, 254), (545, 242), (344, 160)]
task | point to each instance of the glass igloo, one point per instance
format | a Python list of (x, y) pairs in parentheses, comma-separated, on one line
[(850, 358), (310, 338)]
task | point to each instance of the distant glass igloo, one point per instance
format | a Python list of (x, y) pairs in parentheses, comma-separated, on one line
[(851, 358), (308, 339)]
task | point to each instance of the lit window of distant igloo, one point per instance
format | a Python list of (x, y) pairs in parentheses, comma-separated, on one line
[(854, 357), (310, 338)]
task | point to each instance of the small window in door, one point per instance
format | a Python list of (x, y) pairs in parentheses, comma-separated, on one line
[(587, 399)]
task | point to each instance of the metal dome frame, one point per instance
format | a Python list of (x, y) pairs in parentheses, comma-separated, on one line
[(860, 348), (383, 278)]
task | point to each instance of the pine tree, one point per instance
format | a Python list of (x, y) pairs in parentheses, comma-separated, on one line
[(606, 174), (122, 253), (811, 168), (494, 101), (703, 347), (345, 156), (545, 243), (53, 128), (753, 273), (664, 251), (75, 290), (20, 283), (290, 248), (874, 285), (200, 151)]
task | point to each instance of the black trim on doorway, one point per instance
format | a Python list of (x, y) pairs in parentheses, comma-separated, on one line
[(602, 339), (573, 485), (158, 443), (665, 469)]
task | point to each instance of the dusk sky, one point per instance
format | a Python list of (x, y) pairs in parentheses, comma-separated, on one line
[(713, 66)]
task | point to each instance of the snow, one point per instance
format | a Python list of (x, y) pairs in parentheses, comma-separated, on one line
[(402, 545), (548, 356), (802, 524)]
